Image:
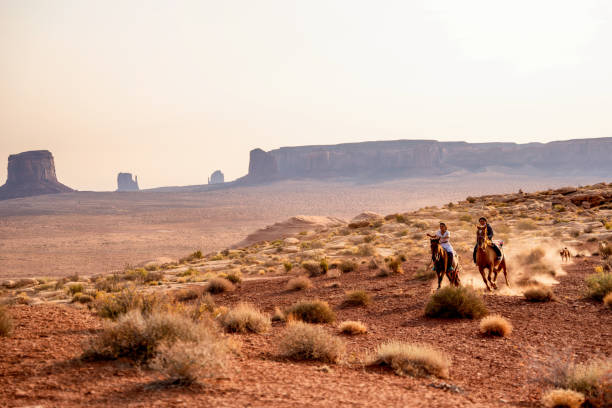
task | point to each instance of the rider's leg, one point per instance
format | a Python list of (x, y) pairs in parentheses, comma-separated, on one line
[(449, 255), (475, 248), (497, 251)]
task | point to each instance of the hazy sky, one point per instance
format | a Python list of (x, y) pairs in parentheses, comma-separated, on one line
[(172, 90)]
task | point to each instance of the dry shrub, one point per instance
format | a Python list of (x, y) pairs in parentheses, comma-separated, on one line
[(311, 311), (313, 268), (357, 298), (424, 274), (218, 285), (455, 302), (495, 325), (245, 318), (365, 250), (417, 360), (560, 398), (185, 362), (347, 266), (593, 379), (113, 305), (383, 273), (607, 300), (372, 265), (299, 283), (189, 293), (278, 315), (352, 327), (136, 336), (234, 276), (538, 294), (82, 298), (302, 341), (395, 264), (599, 285), (75, 288), (6, 322)]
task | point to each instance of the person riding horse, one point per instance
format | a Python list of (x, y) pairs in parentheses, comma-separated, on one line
[(444, 235), (483, 222)]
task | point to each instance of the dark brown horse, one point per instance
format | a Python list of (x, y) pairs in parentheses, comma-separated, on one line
[(486, 258), (439, 258)]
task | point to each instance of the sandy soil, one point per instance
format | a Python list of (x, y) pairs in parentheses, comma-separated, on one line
[(87, 233), (39, 365)]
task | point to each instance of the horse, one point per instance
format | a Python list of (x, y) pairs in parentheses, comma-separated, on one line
[(486, 258), (439, 258), (565, 255)]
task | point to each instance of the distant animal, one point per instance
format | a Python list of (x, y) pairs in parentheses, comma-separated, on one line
[(604, 250), (439, 258), (486, 258), (565, 255)]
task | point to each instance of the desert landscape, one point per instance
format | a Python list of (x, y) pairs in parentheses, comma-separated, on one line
[(326, 311)]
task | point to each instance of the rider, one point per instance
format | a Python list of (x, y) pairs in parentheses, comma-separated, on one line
[(483, 221), (444, 236)]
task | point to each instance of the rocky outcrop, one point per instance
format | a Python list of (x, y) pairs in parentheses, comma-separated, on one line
[(125, 182), (406, 158), (216, 178), (31, 173)]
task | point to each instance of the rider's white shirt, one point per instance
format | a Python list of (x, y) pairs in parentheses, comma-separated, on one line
[(445, 241)]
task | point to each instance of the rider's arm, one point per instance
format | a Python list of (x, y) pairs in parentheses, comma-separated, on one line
[(489, 231)]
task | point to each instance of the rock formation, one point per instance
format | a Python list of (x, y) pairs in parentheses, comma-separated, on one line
[(31, 173), (125, 182), (406, 158), (216, 178)]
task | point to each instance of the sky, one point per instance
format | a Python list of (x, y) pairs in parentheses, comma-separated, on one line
[(173, 90)]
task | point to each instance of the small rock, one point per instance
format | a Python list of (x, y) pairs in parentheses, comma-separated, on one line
[(20, 393)]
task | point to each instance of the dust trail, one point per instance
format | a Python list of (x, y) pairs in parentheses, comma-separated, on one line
[(530, 262)]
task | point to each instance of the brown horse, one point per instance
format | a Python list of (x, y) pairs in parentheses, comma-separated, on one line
[(565, 255), (486, 258), (440, 261)]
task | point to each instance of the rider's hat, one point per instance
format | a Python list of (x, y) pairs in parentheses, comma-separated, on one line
[(482, 218), (442, 223)]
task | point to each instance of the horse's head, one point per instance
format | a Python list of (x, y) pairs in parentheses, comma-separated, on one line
[(435, 244), (481, 233)]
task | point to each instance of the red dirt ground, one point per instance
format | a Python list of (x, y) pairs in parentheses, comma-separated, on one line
[(39, 364)]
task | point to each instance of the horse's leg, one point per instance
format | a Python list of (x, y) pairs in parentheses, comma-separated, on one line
[(504, 269), (482, 273), (491, 271)]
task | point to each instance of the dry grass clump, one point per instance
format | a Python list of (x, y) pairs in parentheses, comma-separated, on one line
[(82, 298), (417, 360), (592, 379), (599, 285), (245, 318), (113, 305), (365, 250), (234, 276), (526, 225), (136, 336), (347, 266), (189, 293), (75, 288), (395, 264), (424, 274), (278, 315), (538, 294), (383, 273), (299, 283), (357, 298), (607, 300), (313, 268), (352, 327), (6, 322), (311, 311), (185, 362), (218, 285), (455, 302), (561, 398), (495, 325), (302, 341)]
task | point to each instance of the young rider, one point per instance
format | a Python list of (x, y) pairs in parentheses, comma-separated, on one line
[(444, 236), (483, 221)]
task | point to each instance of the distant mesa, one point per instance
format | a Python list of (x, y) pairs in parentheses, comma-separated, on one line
[(125, 182), (425, 158), (31, 173), (216, 178)]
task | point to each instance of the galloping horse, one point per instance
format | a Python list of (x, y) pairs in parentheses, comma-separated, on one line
[(440, 261), (565, 255), (486, 258)]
